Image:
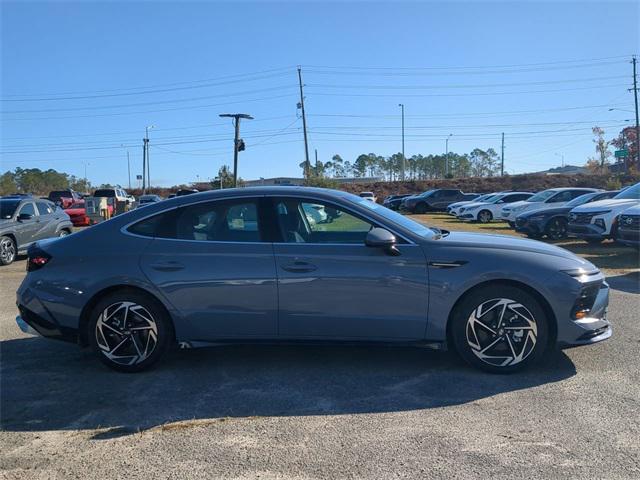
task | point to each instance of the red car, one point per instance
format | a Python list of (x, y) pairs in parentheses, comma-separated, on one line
[(65, 198), (78, 215)]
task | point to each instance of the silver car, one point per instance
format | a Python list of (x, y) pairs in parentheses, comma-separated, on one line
[(247, 265)]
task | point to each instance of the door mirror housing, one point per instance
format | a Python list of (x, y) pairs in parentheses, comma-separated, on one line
[(384, 239), (24, 216)]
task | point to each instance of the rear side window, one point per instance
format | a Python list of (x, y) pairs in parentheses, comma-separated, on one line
[(44, 208), (230, 221)]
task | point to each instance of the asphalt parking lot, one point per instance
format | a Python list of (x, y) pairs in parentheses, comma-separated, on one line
[(321, 412)]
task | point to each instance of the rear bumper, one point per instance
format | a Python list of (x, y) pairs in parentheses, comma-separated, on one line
[(34, 324)]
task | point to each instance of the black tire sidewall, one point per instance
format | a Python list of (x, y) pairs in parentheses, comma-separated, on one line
[(480, 214), (165, 334), (469, 303)]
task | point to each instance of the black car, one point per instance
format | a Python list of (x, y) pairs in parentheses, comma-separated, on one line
[(553, 222), (24, 220), (393, 201), (185, 191), (434, 200)]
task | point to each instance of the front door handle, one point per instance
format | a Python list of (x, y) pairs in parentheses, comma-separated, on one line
[(169, 266), (299, 267)]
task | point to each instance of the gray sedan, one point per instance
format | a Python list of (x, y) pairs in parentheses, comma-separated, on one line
[(24, 220), (247, 265)]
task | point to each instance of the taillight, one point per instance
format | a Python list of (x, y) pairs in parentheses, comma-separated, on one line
[(37, 259)]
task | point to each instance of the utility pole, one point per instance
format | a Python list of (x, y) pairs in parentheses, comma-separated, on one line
[(304, 125), (148, 163), (401, 105), (502, 157), (129, 169), (635, 96), (238, 143)]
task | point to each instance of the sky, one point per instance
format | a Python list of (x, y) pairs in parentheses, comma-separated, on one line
[(80, 81)]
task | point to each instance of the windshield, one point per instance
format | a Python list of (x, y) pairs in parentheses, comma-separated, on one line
[(542, 196), (8, 208), (630, 193), (393, 217), (56, 195), (104, 193), (580, 200)]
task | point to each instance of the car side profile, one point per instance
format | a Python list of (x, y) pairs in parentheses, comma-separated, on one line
[(629, 227), (553, 196), (434, 200), (489, 209), (246, 265), (25, 220)]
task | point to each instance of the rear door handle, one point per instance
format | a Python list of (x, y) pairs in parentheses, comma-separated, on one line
[(169, 266), (299, 267)]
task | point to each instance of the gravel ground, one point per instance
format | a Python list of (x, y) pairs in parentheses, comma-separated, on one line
[(319, 412)]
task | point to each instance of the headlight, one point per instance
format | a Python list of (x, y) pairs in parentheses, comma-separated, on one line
[(473, 208)]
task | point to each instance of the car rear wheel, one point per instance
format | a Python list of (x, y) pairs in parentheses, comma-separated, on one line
[(129, 331), (499, 329), (7, 250), (485, 216), (63, 233), (556, 229)]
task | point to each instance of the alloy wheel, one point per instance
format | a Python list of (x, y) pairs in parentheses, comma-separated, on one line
[(501, 332), (63, 233), (557, 229), (7, 250), (126, 333), (484, 216)]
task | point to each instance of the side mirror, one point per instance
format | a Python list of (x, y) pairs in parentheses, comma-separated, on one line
[(24, 216), (381, 238)]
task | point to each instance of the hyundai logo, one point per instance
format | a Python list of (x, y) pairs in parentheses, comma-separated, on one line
[(628, 220)]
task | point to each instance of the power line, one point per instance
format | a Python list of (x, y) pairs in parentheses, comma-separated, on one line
[(232, 79), (592, 87)]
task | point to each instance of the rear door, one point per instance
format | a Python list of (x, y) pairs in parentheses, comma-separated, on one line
[(47, 221), (332, 286), (211, 262)]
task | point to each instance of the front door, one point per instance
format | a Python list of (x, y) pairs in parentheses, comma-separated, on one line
[(330, 285), (27, 229), (210, 262)]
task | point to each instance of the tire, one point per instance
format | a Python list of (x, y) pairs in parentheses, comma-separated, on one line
[(556, 228), (485, 216), (63, 233), (129, 331), (8, 250), (477, 333), (421, 208)]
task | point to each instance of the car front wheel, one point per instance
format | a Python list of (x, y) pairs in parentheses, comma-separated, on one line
[(7, 250), (499, 329), (129, 331), (485, 216)]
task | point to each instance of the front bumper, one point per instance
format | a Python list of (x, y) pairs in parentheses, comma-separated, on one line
[(586, 230), (628, 237), (529, 227), (592, 329)]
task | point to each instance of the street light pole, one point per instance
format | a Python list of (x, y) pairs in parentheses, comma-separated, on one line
[(446, 155), (562, 156), (237, 142), (401, 105), (146, 144)]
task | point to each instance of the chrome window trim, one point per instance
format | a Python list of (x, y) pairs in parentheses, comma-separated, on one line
[(124, 228)]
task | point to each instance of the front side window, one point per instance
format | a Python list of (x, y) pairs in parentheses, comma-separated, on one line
[(561, 197), (306, 221), (28, 209), (220, 221)]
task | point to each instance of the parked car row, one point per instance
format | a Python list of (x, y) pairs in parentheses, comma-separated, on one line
[(587, 213)]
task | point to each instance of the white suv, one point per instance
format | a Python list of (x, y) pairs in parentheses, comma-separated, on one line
[(555, 196), (596, 221)]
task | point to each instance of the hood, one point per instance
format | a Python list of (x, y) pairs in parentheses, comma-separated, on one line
[(545, 211), (511, 243), (635, 210), (609, 204), (6, 221), (75, 211), (510, 206)]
